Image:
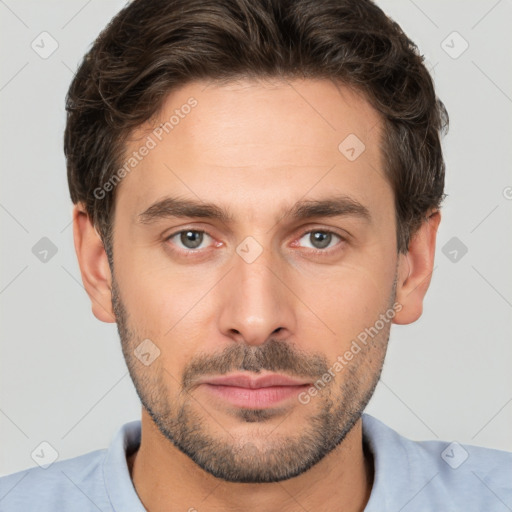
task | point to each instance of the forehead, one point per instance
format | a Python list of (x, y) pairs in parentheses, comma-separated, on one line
[(312, 115), (250, 142)]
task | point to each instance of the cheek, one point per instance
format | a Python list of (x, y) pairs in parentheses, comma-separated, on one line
[(152, 287), (347, 302), (165, 306)]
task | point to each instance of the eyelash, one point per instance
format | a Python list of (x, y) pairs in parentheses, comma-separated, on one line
[(194, 252)]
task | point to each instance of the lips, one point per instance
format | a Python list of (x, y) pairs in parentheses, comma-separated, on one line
[(242, 390), (262, 381)]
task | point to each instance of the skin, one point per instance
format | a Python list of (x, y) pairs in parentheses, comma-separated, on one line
[(255, 148)]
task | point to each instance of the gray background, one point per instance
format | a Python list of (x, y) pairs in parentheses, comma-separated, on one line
[(63, 377)]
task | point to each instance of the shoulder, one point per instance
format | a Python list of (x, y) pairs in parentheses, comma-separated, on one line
[(97, 480), (442, 475), (77, 480)]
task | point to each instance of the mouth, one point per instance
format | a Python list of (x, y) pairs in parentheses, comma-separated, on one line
[(242, 390)]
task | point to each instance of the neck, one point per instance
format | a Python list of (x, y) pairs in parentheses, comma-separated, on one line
[(167, 480)]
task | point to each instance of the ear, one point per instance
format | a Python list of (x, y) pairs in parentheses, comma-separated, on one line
[(93, 263), (415, 270)]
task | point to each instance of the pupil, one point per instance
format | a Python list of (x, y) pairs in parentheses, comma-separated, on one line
[(323, 238), (191, 239)]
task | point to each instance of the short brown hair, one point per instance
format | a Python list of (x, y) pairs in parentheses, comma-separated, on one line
[(152, 47)]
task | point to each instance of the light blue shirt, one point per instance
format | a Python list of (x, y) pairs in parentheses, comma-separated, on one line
[(409, 476)]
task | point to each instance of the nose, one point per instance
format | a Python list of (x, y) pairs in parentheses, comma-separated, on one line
[(257, 302)]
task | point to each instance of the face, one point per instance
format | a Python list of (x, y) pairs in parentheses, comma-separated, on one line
[(285, 264)]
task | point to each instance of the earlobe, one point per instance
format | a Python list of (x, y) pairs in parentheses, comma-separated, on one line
[(93, 263), (415, 271)]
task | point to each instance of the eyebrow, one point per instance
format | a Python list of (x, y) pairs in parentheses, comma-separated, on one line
[(335, 206)]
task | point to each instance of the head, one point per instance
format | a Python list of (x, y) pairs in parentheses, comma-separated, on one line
[(257, 188)]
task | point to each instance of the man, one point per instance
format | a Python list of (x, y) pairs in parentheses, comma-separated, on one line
[(257, 190)]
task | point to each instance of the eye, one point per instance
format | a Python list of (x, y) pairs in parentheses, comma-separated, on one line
[(190, 238), (321, 239)]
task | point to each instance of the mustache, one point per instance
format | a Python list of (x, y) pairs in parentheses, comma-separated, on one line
[(273, 356)]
